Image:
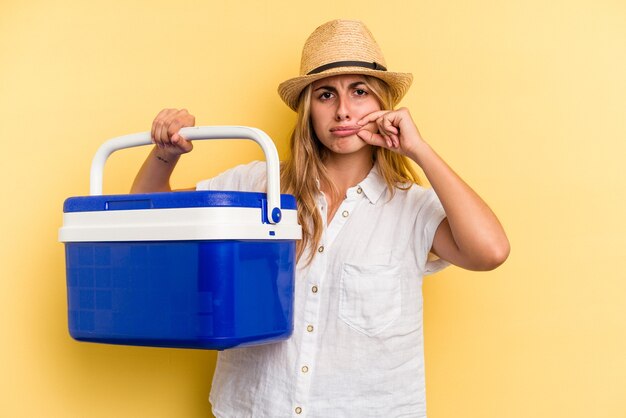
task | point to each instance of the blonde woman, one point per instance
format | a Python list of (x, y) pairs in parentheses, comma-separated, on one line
[(370, 234)]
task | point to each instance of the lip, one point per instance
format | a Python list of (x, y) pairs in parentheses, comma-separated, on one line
[(345, 130)]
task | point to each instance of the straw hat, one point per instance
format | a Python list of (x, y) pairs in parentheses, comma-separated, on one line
[(342, 47)]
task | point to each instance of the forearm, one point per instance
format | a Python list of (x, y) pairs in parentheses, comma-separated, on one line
[(154, 175), (480, 240)]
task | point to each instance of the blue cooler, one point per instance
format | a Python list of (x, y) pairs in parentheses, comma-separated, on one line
[(201, 269)]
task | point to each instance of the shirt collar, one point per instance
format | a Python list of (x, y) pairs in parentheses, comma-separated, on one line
[(373, 185)]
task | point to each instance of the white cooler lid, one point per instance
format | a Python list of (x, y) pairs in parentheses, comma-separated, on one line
[(176, 216)]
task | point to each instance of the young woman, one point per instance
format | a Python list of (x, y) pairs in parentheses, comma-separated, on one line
[(370, 234)]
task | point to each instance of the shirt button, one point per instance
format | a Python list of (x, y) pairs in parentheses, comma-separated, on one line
[(305, 369), (321, 249), (359, 190), (298, 410), (309, 328), (345, 214), (314, 289)]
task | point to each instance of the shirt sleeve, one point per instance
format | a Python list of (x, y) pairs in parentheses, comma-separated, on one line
[(429, 217), (249, 177)]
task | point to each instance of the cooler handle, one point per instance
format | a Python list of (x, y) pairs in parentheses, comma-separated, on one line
[(194, 133)]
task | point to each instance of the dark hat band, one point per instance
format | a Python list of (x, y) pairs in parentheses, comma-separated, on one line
[(370, 65)]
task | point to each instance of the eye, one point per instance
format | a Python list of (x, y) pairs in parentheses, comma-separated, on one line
[(325, 95), (360, 92)]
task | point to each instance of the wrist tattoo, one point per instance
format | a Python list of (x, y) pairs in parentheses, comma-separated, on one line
[(162, 159)]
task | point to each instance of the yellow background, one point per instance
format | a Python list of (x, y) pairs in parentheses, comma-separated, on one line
[(526, 99)]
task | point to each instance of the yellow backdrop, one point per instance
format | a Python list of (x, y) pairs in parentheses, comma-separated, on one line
[(526, 99)]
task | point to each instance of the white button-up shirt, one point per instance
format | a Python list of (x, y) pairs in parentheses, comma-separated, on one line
[(357, 348)]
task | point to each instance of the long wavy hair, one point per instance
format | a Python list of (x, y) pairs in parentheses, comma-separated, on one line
[(304, 172)]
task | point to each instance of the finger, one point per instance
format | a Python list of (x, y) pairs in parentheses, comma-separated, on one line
[(388, 140), (384, 132), (167, 128), (159, 122), (158, 135), (178, 140), (178, 120), (155, 121), (396, 139), (172, 130), (181, 142), (372, 117), (158, 129), (388, 122), (371, 138), (388, 125), (184, 144)]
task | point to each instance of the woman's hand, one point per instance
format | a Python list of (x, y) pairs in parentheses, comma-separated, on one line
[(396, 131), (165, 129), (154, 174), (471, 235)]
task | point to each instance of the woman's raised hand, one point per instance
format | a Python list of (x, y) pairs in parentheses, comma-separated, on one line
[(396, 131), (471, 235), (165, 129)]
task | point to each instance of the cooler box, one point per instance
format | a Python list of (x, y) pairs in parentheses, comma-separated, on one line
[(201, 269)]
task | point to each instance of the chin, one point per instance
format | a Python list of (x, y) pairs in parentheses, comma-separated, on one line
[(349, 147)]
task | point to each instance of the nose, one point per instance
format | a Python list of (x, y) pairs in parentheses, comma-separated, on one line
[(343, 110)]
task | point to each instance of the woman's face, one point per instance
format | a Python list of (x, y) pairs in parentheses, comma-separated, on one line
[(337, 103)]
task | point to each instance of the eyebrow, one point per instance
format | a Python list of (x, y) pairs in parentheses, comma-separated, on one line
[(334, 90)]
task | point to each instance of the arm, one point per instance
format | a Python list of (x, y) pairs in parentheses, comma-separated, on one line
[(471, 236), (154, 175)]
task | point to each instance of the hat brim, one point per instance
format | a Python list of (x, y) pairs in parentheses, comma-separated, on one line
[(290, 90)]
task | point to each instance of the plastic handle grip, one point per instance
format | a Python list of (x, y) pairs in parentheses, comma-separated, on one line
[(200, 133)]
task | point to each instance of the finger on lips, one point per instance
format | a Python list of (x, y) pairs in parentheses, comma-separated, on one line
[(372, 117), (366, 136)]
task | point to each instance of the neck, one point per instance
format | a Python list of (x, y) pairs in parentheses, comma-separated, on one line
[(347, 170)]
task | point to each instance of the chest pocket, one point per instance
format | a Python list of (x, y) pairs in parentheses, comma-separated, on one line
[(370, 297)]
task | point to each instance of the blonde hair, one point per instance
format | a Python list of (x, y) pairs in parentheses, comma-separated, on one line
[(304, 172)]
